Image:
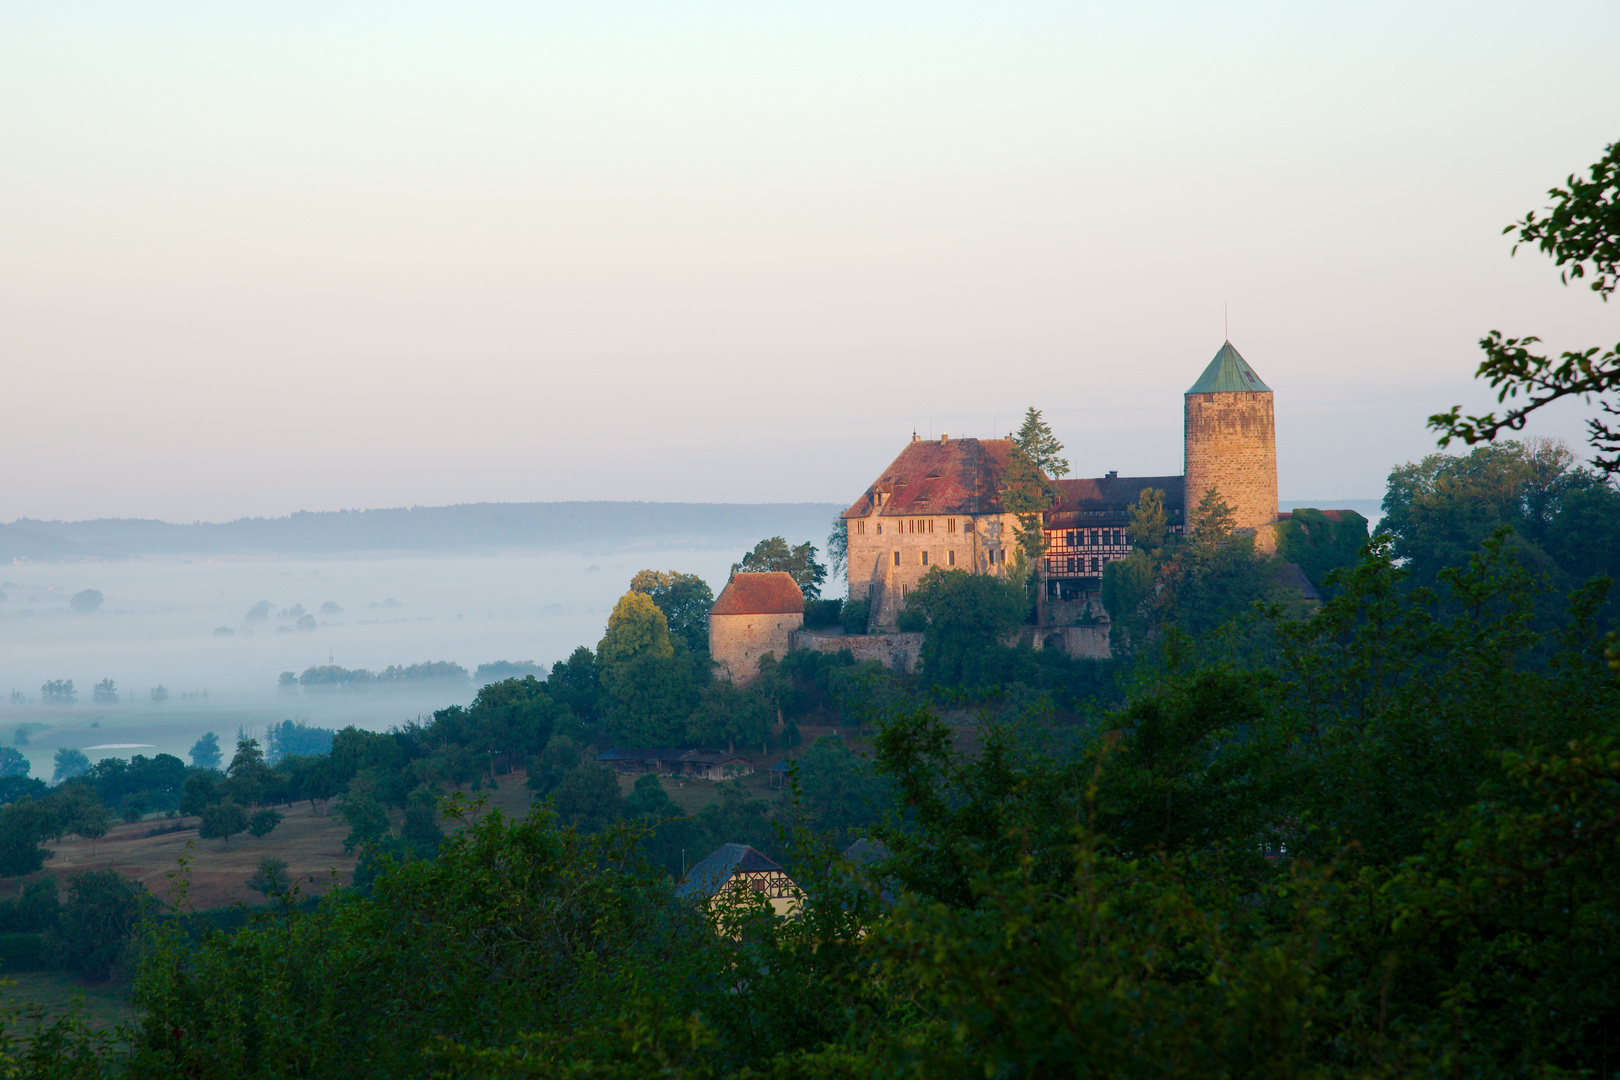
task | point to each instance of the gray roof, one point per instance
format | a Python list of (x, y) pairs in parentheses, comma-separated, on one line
[(710, 876), (864, 851), (702, 757), (1112, 495), (1228, 372)]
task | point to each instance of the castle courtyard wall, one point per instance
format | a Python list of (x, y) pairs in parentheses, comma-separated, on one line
[(900, 653)]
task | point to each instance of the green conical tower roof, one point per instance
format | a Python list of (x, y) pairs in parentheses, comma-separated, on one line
[(1227, 372)]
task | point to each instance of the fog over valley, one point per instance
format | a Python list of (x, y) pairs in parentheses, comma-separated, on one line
[(216, 631)]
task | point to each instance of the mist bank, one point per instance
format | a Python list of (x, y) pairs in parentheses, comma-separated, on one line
[(462, 529)]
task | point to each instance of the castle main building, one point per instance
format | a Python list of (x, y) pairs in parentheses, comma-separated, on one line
[(939, 504)]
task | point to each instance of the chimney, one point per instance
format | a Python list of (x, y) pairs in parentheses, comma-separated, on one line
[(1113, 474), (914, 437), (944, 437)]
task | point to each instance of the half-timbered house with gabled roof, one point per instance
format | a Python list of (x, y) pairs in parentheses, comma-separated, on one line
[(732, 872)]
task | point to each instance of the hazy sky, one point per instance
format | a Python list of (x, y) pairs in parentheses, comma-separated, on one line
[(260, 258)]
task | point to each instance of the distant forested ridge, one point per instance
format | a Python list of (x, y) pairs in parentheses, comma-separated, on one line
[(463, 528)]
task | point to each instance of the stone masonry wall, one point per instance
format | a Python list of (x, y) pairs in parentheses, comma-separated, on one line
[(1231, 446), (900, 653), (737, 642), (876, 574)]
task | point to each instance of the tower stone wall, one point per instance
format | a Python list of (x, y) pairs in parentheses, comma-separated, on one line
[(1231, 446)]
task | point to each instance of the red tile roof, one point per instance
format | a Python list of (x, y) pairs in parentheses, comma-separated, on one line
[(772, 592), (950, 476)]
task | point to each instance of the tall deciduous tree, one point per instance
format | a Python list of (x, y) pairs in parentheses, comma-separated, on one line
[(685, 600), (205, 752), (69, 763), (799, 562), (1581, 231), (223, 820), (637, 627), (23, 824)]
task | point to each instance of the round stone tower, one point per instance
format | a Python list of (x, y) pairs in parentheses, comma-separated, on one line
[(1231, 440)]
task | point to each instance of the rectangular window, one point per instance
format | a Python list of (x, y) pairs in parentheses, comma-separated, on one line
[(880, 528), (1117, 540), (860, 528), (950, 558), (950, 525), (925, 558), (1073, 568), (1094, 566), (1072, 540), (930, 526), (897, 558)]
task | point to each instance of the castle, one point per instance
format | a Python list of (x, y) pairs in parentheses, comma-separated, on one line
[(940, 504)]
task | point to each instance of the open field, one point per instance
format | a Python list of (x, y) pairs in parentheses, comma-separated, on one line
[(312, 844), (56, 992)]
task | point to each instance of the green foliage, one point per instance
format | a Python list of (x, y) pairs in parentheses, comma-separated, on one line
[(1565, 520), (421, 825), (1582, 232), (95, 925), (799, 562), (546, 771), (1040, 446), (223, 820), (838, 547), (820, 614), (854, 615), (200, 793), (294, 739), (911, 620), (839, 790), (12, 762), (1027, 492), (636, 628), (133, 807), (969, 616), (685, 600), (1128, 584), (205, 752), (58, 692), (1318, 545), (365, 816), (588, 797), (1150, 523), (23, 824), (69, 763), (650, 800), (270, 877), (727, 714), (576, 685), (263, 823), (647, 700), (247, 778)]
